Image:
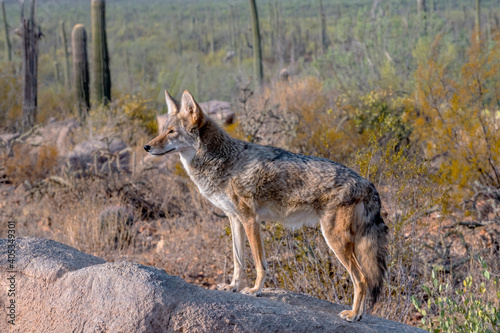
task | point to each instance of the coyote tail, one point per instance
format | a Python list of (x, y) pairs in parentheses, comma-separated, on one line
[(371, 251)]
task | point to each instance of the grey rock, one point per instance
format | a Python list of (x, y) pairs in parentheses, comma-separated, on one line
[(60, 289), (229, 55), (219, 110), (57, 133), (284, 74), (101, 154)]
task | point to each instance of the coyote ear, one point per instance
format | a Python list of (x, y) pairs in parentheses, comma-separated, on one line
[(172, 104), (192, 109)]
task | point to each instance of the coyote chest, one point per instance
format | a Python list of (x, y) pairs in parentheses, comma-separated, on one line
[(217, 198)]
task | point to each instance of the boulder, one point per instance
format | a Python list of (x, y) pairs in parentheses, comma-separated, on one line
[(219, 110), (59, 134), (56, 133), (100, 153), (60, 289)]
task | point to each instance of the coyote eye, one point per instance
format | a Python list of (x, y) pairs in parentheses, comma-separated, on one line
[(171, 131)]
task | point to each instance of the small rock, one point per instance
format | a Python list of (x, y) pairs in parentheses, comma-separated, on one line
[(229, 55), (284, 74)]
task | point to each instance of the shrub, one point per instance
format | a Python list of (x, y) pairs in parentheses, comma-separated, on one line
[(474, 307), (457, 115), (132, 117), (29, 163), (272, 117), (139, 112), (381, 110)]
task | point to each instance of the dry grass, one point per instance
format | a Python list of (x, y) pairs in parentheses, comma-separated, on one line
[(28, 164)]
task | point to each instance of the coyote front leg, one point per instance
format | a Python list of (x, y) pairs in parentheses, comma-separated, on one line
[(238, 234), (252, 229)]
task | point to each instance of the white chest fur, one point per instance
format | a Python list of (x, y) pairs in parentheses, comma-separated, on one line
[(217, 198)]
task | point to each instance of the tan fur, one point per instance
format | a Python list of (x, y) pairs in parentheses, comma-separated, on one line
[(251, 183)]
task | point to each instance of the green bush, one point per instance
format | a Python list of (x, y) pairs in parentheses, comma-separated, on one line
[(472, 308)]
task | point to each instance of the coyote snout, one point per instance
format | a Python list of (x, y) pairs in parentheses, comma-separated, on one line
[(252, 183)]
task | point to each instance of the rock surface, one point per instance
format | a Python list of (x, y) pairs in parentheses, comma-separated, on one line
[(59, 134), (60, 289), (100, 153), (56, 133)]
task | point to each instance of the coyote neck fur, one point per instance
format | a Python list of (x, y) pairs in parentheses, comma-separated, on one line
[(207, 165)]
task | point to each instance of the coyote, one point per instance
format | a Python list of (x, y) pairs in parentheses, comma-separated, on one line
[(252, 183)]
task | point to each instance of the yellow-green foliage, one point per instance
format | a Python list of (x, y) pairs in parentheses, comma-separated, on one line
[(474, 307), (138, 111), (382, 110), (457, 116), (132, 117)]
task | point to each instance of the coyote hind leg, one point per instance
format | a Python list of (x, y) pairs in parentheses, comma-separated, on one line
[(339, 236)]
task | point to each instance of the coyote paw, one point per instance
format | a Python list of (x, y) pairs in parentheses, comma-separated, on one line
[(350, 315), (251, 292), (227, 287)]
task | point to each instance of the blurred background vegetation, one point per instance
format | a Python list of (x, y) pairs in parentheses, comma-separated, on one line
[(407, 93)]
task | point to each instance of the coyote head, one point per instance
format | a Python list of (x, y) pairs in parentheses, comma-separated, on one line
[(181, 130)]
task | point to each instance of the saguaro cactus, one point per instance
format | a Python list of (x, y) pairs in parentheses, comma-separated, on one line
[(478, 19), (64, 40), (232, 39), (211, 29), (100, 55), (7, 38), (30, 34), (257, 51), (322, 27), (422, 14), (421, 7), (81, 70)]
